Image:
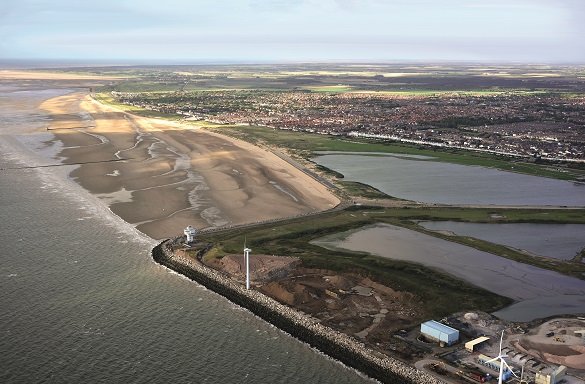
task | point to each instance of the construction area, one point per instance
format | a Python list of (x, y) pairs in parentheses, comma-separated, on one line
[(558, 341), (347, 302)]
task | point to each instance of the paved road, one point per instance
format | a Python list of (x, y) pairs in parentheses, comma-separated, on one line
[(404, 203)]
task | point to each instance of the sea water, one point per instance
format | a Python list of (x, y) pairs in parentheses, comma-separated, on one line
[(82, 301)]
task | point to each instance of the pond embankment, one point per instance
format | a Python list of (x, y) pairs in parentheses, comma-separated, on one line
[(335, 344)]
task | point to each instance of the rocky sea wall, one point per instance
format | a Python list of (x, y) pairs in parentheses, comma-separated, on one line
[(338, 345)]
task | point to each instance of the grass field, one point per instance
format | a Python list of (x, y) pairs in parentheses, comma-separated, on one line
[(354, 188), (331, 88)]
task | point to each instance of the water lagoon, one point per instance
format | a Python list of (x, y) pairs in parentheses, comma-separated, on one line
[(509, 278), (558, 241), (429, 181), (543, 307)]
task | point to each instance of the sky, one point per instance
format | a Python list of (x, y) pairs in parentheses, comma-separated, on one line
[(185, 31)]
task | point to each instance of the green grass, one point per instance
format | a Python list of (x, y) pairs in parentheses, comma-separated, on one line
[(339, 88), (106, 99), (328, 171), (148, 86), (354, 188), (213, 253)]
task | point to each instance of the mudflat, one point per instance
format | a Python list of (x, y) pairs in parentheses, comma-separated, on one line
[(162, 176)]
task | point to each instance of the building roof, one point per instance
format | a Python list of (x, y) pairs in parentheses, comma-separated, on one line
[(474, 342), (440, 326), (552, 370)]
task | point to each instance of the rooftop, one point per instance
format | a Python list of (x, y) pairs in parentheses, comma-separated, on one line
[(440, 326)]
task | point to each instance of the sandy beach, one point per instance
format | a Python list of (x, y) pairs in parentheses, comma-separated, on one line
[(9, 74), (162, 176)]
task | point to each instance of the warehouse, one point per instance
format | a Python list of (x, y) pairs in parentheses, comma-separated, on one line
[(442, 333), (550, 375), (472, 345)]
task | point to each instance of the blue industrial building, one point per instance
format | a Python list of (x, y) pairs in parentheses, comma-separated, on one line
[(495, 365), (439, 332)]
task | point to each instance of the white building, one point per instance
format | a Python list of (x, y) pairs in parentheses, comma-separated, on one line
[(190, 233)]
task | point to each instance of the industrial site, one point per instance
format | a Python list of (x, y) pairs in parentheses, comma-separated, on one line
[(459, 348)]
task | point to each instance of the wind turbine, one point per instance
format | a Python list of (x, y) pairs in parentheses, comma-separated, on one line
[(502, 362), (522, 381), (247, 260)]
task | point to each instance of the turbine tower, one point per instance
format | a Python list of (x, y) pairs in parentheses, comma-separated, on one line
[(522, 381), (247, 260), (502, 362)]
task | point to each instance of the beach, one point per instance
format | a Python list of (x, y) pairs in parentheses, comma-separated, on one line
[(82, 299), (161, 175)]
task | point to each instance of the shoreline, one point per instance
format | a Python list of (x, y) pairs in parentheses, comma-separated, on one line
[(334, 344), (197, 177)]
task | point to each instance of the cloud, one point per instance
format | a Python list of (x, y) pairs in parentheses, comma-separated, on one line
[(374, 29)]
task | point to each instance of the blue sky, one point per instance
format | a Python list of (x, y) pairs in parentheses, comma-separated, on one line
[(535, 31)]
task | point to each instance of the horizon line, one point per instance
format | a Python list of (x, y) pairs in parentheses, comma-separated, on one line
[(48, 63)]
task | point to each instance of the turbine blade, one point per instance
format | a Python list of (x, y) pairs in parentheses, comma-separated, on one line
[(501, 340), (492, 360), (509, 369)]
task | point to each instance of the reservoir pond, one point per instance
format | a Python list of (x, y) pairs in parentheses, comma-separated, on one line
[(558, 241), (428, 181), (521, 282)]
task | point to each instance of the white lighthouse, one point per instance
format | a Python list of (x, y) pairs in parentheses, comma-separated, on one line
[(190, 233)]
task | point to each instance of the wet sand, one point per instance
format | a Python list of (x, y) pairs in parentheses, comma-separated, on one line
[(162, 176)]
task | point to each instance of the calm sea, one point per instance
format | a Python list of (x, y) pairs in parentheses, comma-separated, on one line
[(82, 301)]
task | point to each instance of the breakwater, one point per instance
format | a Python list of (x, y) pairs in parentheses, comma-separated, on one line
[(335, 344)]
